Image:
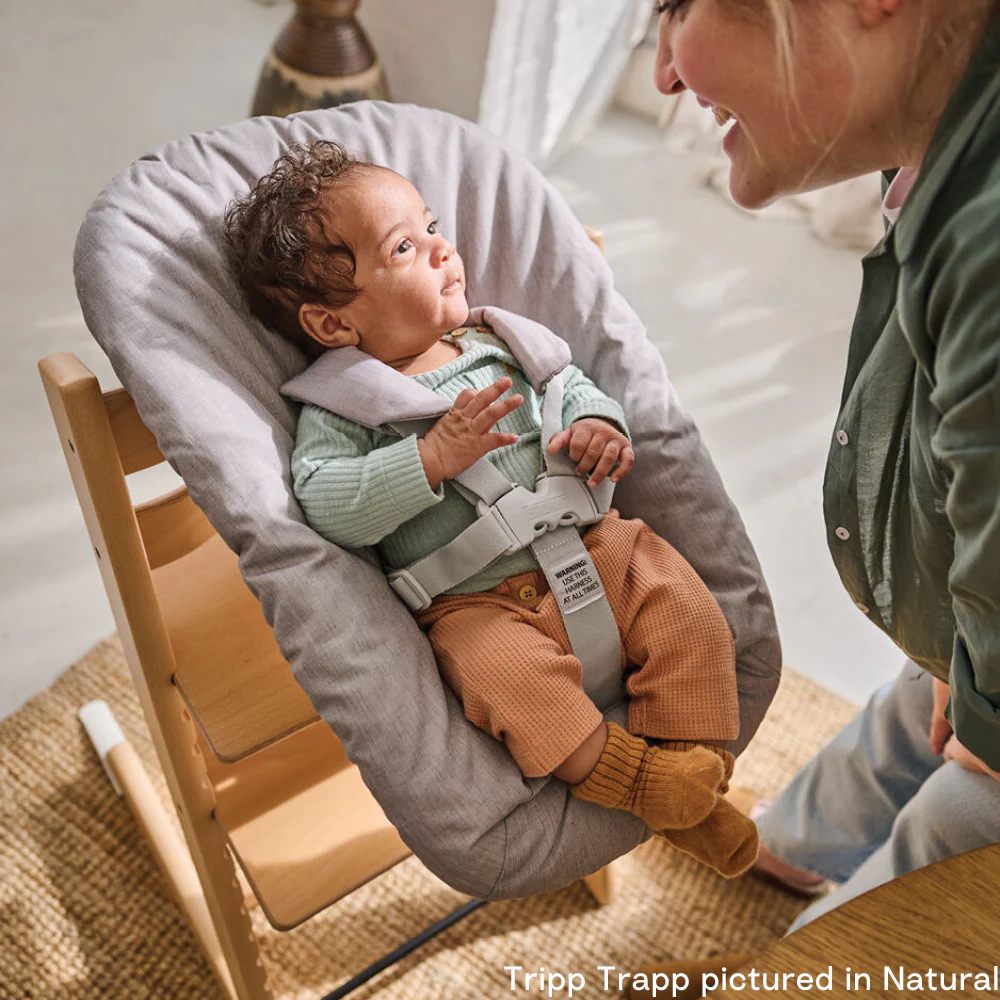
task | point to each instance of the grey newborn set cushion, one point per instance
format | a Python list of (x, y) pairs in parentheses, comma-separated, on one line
[(156, 292)]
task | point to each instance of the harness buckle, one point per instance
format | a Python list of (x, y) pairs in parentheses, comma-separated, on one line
[(412, 593), (556, 502)]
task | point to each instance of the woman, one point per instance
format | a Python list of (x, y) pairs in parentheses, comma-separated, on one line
[(824, 90)]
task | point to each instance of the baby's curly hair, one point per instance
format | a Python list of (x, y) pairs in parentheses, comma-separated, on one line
[(281, 248)]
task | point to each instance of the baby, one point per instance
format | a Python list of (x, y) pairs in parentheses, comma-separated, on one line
[(333, 251)]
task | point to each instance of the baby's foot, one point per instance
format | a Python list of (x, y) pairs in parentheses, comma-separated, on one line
[(726, 840), (671, 787)]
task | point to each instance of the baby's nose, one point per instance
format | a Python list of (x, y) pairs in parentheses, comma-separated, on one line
[(442, 253)]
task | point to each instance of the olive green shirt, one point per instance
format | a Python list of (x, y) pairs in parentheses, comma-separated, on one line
[(912, 489)]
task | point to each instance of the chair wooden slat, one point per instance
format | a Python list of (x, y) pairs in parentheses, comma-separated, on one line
[(172, 526), (228, 666), (137, 447)]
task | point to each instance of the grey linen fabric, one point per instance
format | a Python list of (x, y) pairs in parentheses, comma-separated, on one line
[(156, 293)]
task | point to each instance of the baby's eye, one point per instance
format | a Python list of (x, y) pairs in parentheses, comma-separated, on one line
[(432, 228), (404, 247)]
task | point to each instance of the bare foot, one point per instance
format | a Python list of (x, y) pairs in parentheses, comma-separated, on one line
[(798, 880)]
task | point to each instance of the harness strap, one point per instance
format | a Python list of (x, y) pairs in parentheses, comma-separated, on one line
[(558, 463), (587, 616), (474, 549), (513, 518)]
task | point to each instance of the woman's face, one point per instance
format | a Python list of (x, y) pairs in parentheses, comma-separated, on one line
[(798, 130)]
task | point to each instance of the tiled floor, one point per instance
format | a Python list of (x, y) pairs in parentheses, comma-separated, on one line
[(752, 317)]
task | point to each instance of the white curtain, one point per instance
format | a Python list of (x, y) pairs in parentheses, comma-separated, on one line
[(552, 67), (537, 73)]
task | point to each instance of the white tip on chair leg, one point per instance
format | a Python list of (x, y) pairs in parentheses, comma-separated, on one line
[(104, 733)]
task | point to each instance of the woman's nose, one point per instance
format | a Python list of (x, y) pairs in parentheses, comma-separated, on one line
[(665, 76)]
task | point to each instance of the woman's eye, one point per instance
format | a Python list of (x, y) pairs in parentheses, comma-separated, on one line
[(403, 247), (432, 228), (670, 8)]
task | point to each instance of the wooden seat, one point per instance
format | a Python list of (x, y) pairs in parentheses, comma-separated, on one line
[(303, 825)]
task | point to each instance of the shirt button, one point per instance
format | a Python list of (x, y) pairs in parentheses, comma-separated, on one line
[(843, 439), (863, 608), (527, 593), (455, 334), (843, 534)]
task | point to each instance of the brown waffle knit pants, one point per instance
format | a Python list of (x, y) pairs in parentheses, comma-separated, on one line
[(506, 655)]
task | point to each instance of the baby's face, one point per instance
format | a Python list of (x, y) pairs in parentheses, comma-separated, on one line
[(411, 278)]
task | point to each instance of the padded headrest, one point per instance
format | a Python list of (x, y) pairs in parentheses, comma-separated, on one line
[(157, 294)]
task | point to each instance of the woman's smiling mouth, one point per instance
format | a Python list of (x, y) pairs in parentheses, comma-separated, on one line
[(722, 115)]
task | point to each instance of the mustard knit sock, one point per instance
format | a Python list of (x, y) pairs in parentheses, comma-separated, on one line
[(726, 840), (670, 787)]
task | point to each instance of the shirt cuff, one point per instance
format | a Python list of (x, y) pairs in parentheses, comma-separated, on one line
[(402, 475), (974, 718)]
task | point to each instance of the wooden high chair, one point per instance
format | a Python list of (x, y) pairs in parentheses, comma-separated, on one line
[(257, 779)]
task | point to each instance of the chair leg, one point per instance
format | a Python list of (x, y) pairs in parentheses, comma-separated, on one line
[(602, 885), (171, 855), (221, 924)]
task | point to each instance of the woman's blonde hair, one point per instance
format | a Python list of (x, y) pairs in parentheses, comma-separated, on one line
[(780, 12), (948, 29), (950, 18)]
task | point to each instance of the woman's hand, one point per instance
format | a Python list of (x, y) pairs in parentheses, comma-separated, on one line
[(459, 438), (596, 446), (954, 750), (940, 726)]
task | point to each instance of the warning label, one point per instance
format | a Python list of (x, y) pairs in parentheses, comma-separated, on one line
[(575, 584)]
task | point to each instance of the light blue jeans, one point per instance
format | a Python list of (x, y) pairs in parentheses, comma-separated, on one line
[(875, 803)]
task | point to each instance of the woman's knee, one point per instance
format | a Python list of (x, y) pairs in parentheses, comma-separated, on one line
[(954, 811)]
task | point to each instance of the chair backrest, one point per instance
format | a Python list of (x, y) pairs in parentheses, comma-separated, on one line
[(180, 603)]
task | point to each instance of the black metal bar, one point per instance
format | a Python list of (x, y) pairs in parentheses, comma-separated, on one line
[(404, 949)]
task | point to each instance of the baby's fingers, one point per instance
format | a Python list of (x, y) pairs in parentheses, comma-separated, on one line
[(606, 463), (558, 440), (625, 462), (591, 453), (495, 411), (492, 441), (481, 400)]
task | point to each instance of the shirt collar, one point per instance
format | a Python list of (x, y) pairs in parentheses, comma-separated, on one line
[(899, 189), (973, 98)]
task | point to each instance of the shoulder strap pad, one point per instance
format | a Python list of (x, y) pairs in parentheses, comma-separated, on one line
[(354, 385), (361, 388), (538, 351)]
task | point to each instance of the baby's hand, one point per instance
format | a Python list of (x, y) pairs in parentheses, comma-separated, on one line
[(459, 439), (595, 445)]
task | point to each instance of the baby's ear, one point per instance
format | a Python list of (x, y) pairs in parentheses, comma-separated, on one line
[(325, 326)]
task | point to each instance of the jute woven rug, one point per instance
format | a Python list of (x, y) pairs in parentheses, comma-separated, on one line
[(85, 913)]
